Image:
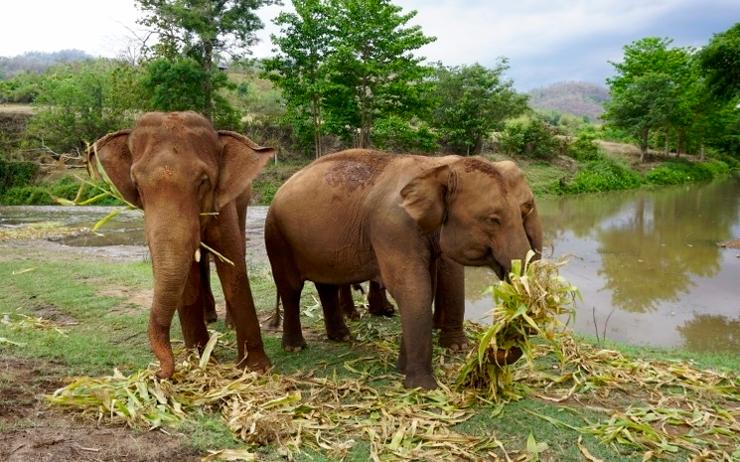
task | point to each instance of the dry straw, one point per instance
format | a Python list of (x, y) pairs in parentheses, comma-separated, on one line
[(662, 409)]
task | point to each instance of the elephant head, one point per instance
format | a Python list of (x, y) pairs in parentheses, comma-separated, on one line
[(523, 195), (470, 203), (175, 166)]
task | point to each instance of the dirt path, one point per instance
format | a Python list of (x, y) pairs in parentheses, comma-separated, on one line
[(31, 432)]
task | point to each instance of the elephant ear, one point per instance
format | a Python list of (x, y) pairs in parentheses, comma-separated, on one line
[(241, 160), (424, 197), (109, 159)]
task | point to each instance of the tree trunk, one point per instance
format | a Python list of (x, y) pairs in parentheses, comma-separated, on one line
[(701, 152), (644, 145), (666, 148), (681, 142)]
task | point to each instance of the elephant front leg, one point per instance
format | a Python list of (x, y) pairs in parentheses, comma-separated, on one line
[(449, 304), (193, 309), (412, 289), (240, 304), (209, 304)]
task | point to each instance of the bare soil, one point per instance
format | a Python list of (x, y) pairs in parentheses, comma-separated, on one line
[(32, 432)]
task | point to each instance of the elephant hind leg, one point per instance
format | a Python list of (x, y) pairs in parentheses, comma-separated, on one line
[(346, 303), (192, 310), (377, 301), (335, 327)]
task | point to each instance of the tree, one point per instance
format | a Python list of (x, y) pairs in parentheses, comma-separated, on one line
[(372, 67), (665, 73), (641, 106), (472, 101), (720, 62), (298, 67), (203, 29)]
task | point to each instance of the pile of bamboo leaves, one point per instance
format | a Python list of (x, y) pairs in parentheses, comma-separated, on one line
[(528, 304)]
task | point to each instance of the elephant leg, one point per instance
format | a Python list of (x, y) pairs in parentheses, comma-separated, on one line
[(335, 327), (209, 304), (191, 310), (235, 282), (377, 301), (346, 303), (449, 304), (411, 286), (291, 297)]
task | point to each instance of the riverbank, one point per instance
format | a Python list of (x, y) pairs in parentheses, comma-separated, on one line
[(65, 316), (615, 168)]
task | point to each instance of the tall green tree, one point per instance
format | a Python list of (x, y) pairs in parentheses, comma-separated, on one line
[(373, 68), (641, 106), (203, 30), (299, 65), (471, 101), (720, 62), (665, 72)]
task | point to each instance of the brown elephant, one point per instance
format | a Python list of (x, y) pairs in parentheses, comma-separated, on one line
[(182, 172), (362, 215)]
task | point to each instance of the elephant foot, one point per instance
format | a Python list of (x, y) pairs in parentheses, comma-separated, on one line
[(423, 381), (258, 362), (211, 316), (385, 309), (294, 346), (339, 335), (350, 312), (165, 371), (454, 342)]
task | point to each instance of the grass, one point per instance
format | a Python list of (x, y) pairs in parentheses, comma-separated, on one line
[(104, 332)]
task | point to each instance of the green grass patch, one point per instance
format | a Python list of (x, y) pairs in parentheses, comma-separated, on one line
[(66, 187), (603, 175), (684, 171)]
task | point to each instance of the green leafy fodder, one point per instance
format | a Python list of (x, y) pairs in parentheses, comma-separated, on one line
[(526, 305)]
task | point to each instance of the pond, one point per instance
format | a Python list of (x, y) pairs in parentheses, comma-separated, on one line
[(647, 262)]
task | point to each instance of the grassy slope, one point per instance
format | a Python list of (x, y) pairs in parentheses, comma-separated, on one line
[(111, 332)]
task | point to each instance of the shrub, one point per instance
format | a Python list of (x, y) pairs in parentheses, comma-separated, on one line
[(396, 134), (683, 171), (584, 147), (531, 138), (14, 174), (44, 194), (603, 175)]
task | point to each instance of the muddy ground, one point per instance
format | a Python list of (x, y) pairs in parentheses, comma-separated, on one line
[(32, 432)]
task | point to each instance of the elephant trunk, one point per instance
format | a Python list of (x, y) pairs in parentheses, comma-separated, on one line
[(172, 246)]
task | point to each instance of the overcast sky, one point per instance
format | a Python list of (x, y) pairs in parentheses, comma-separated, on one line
[(545, 40)]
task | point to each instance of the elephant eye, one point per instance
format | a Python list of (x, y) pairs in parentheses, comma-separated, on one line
[(492, 219)]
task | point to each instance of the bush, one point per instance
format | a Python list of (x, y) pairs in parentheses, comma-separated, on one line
[(530, 138), (396, 134), (44, 194), (584, 147), (683, 171), (15, 174), (603, 175)]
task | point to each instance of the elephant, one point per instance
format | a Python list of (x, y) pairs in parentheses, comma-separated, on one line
[(194, 184), (400, 220)]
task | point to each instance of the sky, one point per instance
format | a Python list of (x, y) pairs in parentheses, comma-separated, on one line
[(546, 41)]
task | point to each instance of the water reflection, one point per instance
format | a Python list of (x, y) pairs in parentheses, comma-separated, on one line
[(651, 256)]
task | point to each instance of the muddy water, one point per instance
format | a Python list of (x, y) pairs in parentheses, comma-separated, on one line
[(646, 262)]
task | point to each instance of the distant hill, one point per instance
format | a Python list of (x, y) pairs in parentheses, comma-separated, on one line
[(577, 98), (37, 61)]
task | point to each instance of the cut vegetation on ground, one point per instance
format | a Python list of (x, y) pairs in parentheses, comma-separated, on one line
[(333, 400)]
